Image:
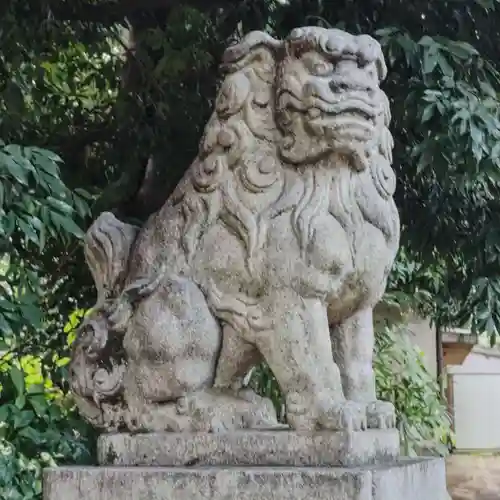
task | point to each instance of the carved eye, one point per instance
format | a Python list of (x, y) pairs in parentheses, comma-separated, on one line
[(371, 72), (323, 68)]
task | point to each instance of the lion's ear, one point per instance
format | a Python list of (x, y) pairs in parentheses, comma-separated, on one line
[(251, 42), (250, 69), (107, 246)]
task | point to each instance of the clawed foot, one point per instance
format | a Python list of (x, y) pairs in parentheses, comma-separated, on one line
[(325, 413), (381, 415), (345, 415)]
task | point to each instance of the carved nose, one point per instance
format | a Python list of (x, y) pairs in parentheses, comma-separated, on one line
[(339, 86), (350, 77)]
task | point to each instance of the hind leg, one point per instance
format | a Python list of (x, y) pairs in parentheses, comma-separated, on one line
[(353, 346), (298, 350)]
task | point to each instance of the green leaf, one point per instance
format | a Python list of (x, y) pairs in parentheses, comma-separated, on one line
[(428, 113), (462, 50), (39, 404), (67, 224), (55, 413), (47, 164), (5, 327), (28, 231), (23, 419), (445, 66), (463, 115), (386, 31), (60, 205), (33, 435), (32, 314), (81, 206), (84, 194), (487, 89), (20, 402), (43, 238), (5, 412), (486, 4), (45, 153), (17, 377), (430, 60), (9, 163), (476, 134), (427, 41), (408, 46)]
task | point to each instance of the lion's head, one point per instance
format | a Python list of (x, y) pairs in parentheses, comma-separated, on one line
[(318, 90), (328, 96)]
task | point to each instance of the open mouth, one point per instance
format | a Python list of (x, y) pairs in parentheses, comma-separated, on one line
[(346, 130), (345, 123), (355, 109)]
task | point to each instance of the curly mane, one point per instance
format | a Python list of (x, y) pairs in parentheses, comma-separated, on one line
[(237, 154), (241, 178)]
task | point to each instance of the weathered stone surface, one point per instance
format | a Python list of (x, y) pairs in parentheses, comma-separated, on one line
[(263, 448), (276, 244), (410, 479), (406, 480)]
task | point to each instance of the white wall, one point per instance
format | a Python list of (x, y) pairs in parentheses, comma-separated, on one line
[(476, 400), (424, 337), (480, 360)]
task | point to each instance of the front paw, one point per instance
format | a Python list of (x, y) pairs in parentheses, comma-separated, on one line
[(343, 416), (381, 415)]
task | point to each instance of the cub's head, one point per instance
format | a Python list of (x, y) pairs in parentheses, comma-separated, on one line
[(328, 98)]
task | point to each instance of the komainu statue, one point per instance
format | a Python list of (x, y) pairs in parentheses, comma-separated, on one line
[(275, 246)]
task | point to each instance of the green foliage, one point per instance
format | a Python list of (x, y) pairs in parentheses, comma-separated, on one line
[(403, 379), (36, 208), (58, 84), (449, 126), (263, 382), (38, 426), (38, 429)]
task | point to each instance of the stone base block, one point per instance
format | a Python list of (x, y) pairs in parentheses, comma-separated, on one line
[(422, 479), (261, 448)]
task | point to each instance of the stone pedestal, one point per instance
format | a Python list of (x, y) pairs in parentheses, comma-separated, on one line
[(250, 466), (422, 479), (250, 448)]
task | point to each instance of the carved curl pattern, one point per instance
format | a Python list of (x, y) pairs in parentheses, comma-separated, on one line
[(297, 151)]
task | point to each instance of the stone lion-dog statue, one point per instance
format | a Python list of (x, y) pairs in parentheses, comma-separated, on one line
[(276, 245)]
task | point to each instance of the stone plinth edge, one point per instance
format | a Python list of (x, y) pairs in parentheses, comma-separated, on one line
[(262, 448), (419, 479)]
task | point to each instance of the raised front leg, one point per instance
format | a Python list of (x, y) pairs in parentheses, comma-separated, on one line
[(353, 345), (298, 350)]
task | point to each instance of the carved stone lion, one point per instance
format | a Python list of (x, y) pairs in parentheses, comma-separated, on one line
[(276, 245)]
